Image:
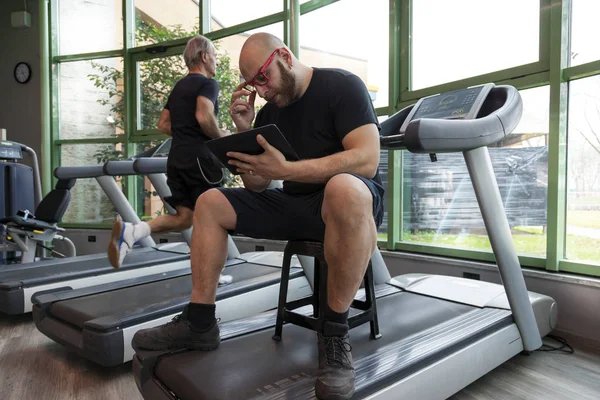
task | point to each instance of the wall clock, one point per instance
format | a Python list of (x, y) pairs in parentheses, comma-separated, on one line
[(22, 72)]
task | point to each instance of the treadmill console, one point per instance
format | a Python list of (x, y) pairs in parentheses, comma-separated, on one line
[(457, 104), (10, 150)]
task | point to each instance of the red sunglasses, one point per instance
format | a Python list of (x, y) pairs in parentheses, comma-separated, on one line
[(261, 79)]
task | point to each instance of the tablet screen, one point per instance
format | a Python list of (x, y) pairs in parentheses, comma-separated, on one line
[(245, 142)]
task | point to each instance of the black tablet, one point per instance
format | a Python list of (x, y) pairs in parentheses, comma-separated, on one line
[(245, 142)]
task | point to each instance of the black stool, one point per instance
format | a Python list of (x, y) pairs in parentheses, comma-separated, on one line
[(319, 296)]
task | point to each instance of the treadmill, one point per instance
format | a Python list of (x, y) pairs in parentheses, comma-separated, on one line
[(19, 282), (439, 333), (99, 322)]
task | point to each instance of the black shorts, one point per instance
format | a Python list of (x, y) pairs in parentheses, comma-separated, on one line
[(273, 214), (190, 181)]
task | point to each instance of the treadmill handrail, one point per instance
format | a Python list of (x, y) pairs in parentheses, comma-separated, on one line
[(77, 172), (150, 165), (430, 135), (119, 168)]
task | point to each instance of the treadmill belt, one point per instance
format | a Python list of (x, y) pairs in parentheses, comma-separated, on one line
[(144, 257), (125, 301), (255, 365)]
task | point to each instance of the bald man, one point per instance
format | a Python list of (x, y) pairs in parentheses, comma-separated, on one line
[(334, 194)]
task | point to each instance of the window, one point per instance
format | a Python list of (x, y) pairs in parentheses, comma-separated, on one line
[(174, 19), (149, 205), (383, 172), (583, 183), (453, 40), (441, 207), (89, 26), (230, 47), (89, 203), (352, 36), (90, 99), (226, 13), (157, 77), (585, 31)]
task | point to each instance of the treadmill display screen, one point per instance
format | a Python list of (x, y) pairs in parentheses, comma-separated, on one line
[(8, 151), (456, 104)]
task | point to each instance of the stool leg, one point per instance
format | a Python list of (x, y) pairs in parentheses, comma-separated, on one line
[(283, 289), (317, 287), (371, 302), (322, 299)]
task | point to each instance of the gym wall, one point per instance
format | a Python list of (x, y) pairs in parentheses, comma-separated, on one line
[(20, 108)]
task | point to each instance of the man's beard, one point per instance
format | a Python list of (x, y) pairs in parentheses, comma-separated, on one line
[(288, 85)]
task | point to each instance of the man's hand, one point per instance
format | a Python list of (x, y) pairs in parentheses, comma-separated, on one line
[(241, 110), (270, 165)]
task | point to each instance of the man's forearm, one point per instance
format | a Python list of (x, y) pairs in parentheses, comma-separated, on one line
[(209, 126), (166, 129), (320, 170)]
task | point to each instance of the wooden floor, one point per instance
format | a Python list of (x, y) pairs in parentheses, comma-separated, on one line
[(34, 367)]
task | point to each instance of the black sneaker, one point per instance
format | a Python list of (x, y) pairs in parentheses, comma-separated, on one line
[(335, 377), (178, 334)]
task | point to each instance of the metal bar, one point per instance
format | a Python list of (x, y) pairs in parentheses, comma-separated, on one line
[(37, 192), (286, 22), (545, 28), (295, 27), (516, 72), (130, 93), (140, 139), (116, 196), (46, 112), (383, 111), (395, 192), (313, 5), (53, 70), (580, 268), (488, 196), (117, 139), (528, 81), (85, 225), (402, 27), (140, 51), (205, 16), (88, 56), (557, 137), (582, 71), (476, 255)]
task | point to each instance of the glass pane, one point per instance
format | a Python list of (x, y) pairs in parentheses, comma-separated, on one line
[(441, 208), (226, 13), (79, 23), (352, 37), (228, 70), (585, 31), (89, 203), (149, 204), (157, 78), (159, 20), (383, 172), (453, 40), (583, 212), (90, 95)]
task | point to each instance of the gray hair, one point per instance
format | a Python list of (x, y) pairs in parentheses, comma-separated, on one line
[(192, 55)]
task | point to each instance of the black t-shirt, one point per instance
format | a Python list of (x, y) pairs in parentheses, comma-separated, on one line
[(335, 103), (188, 137)]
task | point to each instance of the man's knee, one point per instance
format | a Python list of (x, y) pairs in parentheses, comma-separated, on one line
[(346, 197), (213, 205)]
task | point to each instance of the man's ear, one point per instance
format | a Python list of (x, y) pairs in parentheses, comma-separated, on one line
[(287, 56)]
